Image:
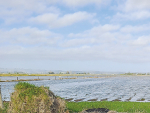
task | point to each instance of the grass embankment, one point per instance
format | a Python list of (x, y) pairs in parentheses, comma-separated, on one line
[(129, 107), (5, 107), (33, 99), (26, 93)]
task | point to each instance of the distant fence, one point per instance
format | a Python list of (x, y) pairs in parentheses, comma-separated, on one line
[(37, 78), (1, 101)]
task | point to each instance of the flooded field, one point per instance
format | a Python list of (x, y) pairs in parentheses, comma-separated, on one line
[(118, 88)]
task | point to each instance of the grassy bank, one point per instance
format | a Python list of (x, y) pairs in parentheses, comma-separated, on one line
[(130, 107), (28, 98), (5, 108)]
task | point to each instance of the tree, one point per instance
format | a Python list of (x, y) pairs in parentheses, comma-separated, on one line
[(67, 72), (51, 72)]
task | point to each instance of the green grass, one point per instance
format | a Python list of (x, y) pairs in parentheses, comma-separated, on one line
[(25, 90), (30, 98), (29, 90), (130, 107), (5, 108), (28, 94)]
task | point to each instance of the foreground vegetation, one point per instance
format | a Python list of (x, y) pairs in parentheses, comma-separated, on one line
[(4, 110), (32, 96), (33, 99), (130, 107)]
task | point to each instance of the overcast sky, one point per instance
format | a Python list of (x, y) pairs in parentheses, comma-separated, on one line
[(100, 35)]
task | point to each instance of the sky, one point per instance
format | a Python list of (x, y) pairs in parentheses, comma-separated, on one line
[(81, 35)]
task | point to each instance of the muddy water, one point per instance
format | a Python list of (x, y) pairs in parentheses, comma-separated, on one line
[(130, 88)]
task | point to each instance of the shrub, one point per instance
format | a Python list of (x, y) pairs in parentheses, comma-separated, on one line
[(29, 98)]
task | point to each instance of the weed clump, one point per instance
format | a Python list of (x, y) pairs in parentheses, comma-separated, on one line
[(28, 98)]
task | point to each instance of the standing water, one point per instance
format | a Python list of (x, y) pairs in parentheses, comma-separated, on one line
[(120, 88)]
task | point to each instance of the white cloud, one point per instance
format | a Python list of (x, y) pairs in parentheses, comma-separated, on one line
[(75, 3), (97, 31), (29, 36), (100, 34), (109, 42), (101, 42), (141, 41), (17, 11), (132, 5), (41, 5), (135, 29), (54, 20), (45, 18), (132, 10), (105, 28), (137, 15), (26, 5)]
